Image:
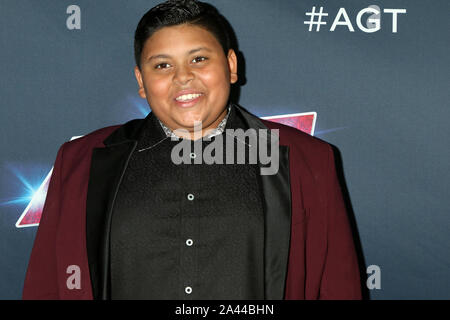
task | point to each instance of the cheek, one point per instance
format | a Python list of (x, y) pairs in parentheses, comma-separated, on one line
[(157, 88), (216, 80)]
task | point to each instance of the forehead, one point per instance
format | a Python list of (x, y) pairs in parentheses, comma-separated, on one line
[(180, 38)]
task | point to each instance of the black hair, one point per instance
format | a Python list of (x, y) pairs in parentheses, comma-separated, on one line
[(176, 12)]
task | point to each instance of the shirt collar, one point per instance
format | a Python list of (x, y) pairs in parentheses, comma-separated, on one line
[(219, 130)]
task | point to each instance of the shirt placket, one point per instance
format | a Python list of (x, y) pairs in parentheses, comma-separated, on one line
[(189, 239)]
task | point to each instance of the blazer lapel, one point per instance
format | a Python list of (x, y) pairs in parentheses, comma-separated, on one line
[(108, 166), (277, 202)]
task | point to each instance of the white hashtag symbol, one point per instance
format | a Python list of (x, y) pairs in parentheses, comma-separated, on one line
[(319, 16)]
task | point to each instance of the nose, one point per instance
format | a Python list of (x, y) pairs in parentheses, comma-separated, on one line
[(183, 74)]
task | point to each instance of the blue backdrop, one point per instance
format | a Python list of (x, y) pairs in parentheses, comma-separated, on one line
[(382, 98)]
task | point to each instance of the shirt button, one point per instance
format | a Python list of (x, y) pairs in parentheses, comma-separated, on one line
[(192, 155), (189, 242), (190, 197), (188, 290)]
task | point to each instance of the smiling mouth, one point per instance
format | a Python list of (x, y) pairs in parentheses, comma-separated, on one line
[(188, 97)]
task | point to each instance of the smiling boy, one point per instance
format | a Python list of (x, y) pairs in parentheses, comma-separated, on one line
[(139, 226), (185, 76)]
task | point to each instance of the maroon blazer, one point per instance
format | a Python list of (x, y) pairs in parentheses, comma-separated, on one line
[(309, 250)]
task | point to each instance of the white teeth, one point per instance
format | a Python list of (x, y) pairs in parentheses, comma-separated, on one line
[(187, 97)]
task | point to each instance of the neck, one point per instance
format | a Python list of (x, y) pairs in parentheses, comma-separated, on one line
[(198, 131)]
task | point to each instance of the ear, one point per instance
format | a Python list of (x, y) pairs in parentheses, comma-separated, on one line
[(138, 75), (232, 65)]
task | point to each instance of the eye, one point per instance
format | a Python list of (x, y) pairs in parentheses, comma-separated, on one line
[(199, 59), (163, 65)]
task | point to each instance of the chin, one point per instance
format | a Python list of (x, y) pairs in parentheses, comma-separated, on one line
[(188, 122), (185, 124)]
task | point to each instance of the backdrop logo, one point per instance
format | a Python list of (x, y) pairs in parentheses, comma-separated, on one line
[(32, 214), (373, 22)]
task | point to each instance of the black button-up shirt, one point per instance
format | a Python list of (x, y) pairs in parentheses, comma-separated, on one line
[(188, 231)]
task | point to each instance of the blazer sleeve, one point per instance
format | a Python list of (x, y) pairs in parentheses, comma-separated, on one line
[(341, 278), (41, 276)]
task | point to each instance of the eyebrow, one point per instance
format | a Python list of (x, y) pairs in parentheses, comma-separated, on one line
[(165, 56)]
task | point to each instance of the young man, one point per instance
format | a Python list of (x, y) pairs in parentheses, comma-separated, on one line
[(135, 224)]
